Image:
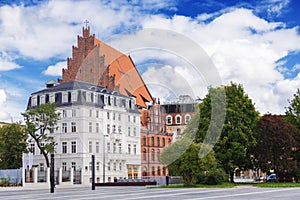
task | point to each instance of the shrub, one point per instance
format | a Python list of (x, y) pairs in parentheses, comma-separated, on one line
[(215, 177)]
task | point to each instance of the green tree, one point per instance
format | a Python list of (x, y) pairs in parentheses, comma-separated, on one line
[(12, 145), (275, 144), (292, 112), (38, 121), (292, 115), (237, 136), (188, 165)]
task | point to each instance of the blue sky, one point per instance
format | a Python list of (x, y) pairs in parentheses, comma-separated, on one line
[(255, 43)]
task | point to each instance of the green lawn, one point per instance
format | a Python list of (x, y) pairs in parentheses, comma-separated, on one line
[(231, 185), (277, 185)]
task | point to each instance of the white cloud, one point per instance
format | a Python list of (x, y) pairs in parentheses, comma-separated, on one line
[(245, 49), (3, 113), (7, 65), (55, 70)]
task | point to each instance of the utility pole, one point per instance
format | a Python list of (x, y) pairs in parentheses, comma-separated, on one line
[(93, 172), (52, 184)]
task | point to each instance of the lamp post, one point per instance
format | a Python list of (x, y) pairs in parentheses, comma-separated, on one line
[(104, 157)]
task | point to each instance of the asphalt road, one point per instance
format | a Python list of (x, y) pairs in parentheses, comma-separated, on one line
[(126, 193)]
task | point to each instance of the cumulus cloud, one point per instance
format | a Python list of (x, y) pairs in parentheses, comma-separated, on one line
[(55, 70), (3, 114), (244, 49)]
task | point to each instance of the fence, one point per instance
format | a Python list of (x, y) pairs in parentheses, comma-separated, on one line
[(11, 177)]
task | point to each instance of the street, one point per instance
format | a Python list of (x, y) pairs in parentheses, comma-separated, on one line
[(127, 193)]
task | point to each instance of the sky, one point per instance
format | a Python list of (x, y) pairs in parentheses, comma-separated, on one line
[(255, 43)]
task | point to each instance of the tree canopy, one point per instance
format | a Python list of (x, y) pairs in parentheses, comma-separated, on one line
[(38, 122), (237, 136), (275, 144), (12, 145)]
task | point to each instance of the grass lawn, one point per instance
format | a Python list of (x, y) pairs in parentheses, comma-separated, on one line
[(231, 185), (272, 185)]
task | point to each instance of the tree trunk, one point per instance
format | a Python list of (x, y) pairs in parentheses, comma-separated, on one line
[(231, 173)]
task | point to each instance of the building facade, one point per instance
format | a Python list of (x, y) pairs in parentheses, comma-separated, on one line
[(178, 114), (94, 121), (154, 139)]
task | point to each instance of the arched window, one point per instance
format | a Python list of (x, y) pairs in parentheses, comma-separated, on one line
[(158, 141), (187, 118), (169, 119), (144, 154), (158, 171), (144, 140), (152, 155), (178, 119), (153, 171), (163, 142), (158, 154), (152, 141)]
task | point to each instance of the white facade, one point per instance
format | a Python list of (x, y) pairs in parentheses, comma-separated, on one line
[(94, 121)]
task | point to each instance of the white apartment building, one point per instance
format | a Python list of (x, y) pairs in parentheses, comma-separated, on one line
[(94, 121)]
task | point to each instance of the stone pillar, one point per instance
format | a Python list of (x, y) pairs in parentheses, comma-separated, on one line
[(23, 176), (72, 175), (60, 176), (35, 175), (48, 175)]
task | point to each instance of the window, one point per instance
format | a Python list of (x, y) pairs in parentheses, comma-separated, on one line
[(120, 148), (73, 127), (107, 115), (128, 131), (42, 167), (153, 171), (114, 128), (114, 116), (114, 147), (134, 149), (119, 117), (134, 131), (115, 166), (64, 166), (97, 114), (120, 166), (158, 141), (64, 114), (108, 166), (129, 148), (187, 119), (169, 120), (97, 127), (108, 129), (91, 113), (108, 147), (64, 128), (51, 129), (134, 119), (163, 142), (64, 147), (158, 171), (158, 153), (42, 145), (128, 118), (90, 127), (152, 141), (74, 113), (152, 155), (32, 148), (74, 166), (144, 154), (178, 120), (73, 146), (90, 146), (119, 129), (98, 166), (97, 147)]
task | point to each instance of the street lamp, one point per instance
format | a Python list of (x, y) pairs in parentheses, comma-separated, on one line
[(104, 157)]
